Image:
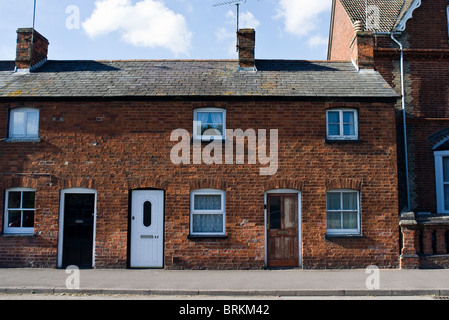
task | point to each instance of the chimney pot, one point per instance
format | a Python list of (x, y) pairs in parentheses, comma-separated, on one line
[(29, 55), (247, 44)]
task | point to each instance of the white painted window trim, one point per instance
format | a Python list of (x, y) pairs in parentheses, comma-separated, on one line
[(61, 220), (20, 230), (447, 12), (439, 155), (341, 135), (208, 212), (345, 231), (25, 137), (197, 135)]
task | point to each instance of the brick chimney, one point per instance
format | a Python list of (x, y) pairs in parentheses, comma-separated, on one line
[(30, 55), (247, 44), (363, 49)]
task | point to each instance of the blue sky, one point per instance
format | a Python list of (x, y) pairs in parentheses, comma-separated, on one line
[(168, 29)]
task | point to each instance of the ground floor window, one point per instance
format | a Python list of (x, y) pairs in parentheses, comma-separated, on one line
[(19, 210), (207, 213), (343, 212), (442, 180)]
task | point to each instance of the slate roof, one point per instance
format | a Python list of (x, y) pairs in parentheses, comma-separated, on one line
[(59, 79), (391, 11)]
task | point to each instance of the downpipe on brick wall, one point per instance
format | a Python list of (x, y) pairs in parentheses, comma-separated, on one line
[(404, 121)]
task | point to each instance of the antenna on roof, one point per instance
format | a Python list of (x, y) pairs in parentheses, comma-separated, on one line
[(34, 14), (237, 3), (32, 32)]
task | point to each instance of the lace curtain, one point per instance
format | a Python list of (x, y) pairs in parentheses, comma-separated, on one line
[(211, 122), (207, 223), (346, 219)]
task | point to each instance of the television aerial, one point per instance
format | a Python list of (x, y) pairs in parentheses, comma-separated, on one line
[(237, 3)]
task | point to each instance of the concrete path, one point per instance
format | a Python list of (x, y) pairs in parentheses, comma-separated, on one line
[(293, 282)]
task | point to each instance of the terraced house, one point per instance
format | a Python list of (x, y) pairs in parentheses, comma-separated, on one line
[(407, 43), (233, 164)]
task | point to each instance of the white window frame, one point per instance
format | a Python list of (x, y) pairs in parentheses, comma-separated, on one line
[(341, 135), (439, 155), (447, 12), (356, 231), (197, 135), (208, 212), (26, 136), (18, 230)]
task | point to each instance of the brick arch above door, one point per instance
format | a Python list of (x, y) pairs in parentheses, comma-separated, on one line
[(146, 183)]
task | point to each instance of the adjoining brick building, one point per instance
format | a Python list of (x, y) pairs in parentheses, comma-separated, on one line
[(95, 171), (420, 27)]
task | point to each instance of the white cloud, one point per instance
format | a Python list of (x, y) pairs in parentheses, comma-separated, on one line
[(301, 16), (246, 19), (147, 23), (227, 41)]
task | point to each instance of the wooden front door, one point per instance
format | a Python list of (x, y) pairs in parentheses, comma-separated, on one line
[(282, 230)]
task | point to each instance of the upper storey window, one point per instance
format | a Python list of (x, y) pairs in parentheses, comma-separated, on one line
[(209, 124), (24, 123), (342, 124)]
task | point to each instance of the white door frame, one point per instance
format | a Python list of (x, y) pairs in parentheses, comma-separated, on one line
[(154, 193), (291, 191), (61, 220)]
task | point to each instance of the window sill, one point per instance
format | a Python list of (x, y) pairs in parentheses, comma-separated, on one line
[(194, 237), (19, 235), (343, 236), (22, 140), (204, 140), (342, 141)]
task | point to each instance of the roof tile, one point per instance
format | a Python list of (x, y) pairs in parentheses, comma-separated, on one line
[(290, 78)]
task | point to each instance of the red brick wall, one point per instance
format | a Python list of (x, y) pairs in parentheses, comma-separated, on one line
[(427, 95), (343, 33), (427, 109), (133, 151), (428, 27)]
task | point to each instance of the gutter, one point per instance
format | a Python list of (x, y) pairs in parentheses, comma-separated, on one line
[(404, 121)]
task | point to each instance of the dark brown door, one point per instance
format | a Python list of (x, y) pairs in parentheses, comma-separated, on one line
[(282, 230), (78, 230)]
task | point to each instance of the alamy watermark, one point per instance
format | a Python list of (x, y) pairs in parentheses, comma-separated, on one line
[(73, 21), (212, 153), (373, 280), (73, 280), (372, 18)]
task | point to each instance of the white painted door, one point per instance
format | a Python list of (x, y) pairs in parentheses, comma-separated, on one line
[(147, 229)]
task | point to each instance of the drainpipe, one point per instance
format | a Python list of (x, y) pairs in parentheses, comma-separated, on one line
[(404, 122)]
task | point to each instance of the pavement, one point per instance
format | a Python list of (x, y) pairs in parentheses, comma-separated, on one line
[(290, 282)]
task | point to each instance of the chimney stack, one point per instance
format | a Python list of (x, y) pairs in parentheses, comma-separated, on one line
[(362, 48), (247, 44), (30, 54)]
